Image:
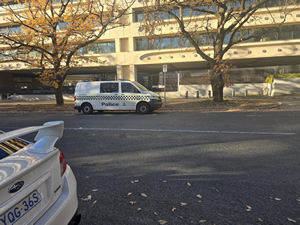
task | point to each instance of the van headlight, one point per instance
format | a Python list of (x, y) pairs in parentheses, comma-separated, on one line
[(156, 97)]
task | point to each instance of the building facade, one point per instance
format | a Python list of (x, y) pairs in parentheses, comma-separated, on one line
[(128, 55)]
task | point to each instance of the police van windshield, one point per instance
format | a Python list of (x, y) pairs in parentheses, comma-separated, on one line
[(140, 86)]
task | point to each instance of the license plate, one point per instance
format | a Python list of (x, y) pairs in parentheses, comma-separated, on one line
[(20, 209)]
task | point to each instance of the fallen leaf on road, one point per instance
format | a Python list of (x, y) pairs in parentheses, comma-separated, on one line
[(95, 202), (130, 193), (291, 220), (134, 181), (162, 222), (139, 209), (155, 213), (173, 209), (88, 198), (277, 199), (94, 190), (248, 208), (199, 196), (144, 195), (132, 202), (202, 221), (183, 203), (215, 189), (189, 184), (260, 220)]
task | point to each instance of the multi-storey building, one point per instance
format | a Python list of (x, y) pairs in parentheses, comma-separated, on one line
[(128, 55)]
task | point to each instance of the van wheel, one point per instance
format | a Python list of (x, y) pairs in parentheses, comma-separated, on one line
[(143, 108), (87, 108)]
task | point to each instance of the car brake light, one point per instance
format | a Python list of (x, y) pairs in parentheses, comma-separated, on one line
[(63, 163), (74, 98)]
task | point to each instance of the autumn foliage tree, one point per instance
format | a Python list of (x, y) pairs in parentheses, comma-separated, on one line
[(213, 26), (48, 34)]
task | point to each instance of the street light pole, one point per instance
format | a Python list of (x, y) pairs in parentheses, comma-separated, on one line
[(165, 94), (165, 70)]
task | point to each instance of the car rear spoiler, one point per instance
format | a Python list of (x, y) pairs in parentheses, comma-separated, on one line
[(45, 139)]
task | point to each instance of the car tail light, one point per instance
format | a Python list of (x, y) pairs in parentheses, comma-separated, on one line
[(63, 163), (74, 98)]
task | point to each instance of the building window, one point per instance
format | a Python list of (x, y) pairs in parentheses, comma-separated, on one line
[(139, 15), (62, 25), (265, 34), (270, 35), (12, 5), (272, 3), (10, 29), (189, 77), (286, 33), (162, 43), (96, 48), (296, 32)]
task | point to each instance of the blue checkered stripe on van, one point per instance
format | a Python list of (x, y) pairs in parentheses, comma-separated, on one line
[(113, 98)]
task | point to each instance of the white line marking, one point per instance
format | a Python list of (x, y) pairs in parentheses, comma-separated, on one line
[(175, 131), (183, 131)]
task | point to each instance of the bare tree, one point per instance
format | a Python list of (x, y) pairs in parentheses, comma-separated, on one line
[(216, 24), (48, 34)]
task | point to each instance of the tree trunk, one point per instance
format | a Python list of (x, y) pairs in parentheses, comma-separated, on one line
[(217, 84), (59, 96), (217, 92)]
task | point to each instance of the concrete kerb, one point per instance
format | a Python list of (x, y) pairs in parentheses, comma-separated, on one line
[(293, 103)]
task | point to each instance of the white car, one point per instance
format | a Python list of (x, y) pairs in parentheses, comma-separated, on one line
[(36, 185)]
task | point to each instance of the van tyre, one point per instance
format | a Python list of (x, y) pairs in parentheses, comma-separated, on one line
[(143, 108), (87, 108)]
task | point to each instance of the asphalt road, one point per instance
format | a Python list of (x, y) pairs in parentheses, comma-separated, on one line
[(181, 168)]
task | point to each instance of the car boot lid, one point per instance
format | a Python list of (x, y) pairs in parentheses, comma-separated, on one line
[(45, 139), (34, 154)]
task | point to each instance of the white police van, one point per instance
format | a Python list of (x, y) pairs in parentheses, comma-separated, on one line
[(114, 95)]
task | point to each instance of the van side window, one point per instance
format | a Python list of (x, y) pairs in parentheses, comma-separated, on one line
[(109, 87), (129, 88)]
